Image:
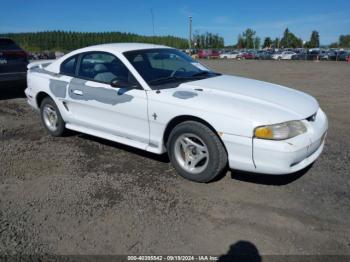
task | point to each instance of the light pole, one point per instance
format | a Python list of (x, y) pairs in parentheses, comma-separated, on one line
[(190, 33)]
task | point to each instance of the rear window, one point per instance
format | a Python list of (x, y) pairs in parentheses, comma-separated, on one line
[(8, 44)]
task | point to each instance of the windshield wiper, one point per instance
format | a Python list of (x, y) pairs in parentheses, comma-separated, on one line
[(161, 79), (168, 78), (204, 73)]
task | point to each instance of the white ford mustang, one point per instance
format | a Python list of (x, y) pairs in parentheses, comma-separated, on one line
[(160, 100)]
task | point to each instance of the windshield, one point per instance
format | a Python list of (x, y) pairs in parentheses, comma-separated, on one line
[(167, 68)]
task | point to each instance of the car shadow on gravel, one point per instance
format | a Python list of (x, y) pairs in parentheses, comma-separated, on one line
[(271, 180), (160, 158), (263, 179), (12, 90), (242, 251)]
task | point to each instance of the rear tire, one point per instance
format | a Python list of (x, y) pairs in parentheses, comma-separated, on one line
[(196, 152), (51, 117)]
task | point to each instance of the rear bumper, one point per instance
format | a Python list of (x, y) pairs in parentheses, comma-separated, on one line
[(31, 99), (4, 77), (278, 157)]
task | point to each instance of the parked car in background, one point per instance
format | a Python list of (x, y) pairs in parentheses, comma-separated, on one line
[(215, 54), (229, 55), (327, 55), (208, 53), (13, 61), (44, 55), (317, 55), (323, 55), (333, 55), (348, 58), (300, 56), (312, 55), (263, 55), (285, 55), (343, 56), (247, 55), (159, 99)]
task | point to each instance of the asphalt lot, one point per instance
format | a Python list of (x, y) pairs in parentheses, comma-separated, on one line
[(84, 195)]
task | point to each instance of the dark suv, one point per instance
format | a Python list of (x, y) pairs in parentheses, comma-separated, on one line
[(13, 61)]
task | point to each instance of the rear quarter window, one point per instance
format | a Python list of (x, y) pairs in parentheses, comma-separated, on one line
[(68, 67)]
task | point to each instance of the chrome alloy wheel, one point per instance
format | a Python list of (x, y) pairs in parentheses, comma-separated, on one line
[(191, 153), (50, 117)]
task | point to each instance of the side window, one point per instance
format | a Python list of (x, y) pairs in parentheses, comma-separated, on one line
[(69, 65), (103, 67)]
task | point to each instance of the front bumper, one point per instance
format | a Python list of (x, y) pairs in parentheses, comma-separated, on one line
[(278, 157)]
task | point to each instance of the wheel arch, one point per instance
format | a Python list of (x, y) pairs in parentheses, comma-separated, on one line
[(40, 97), (182, 118)]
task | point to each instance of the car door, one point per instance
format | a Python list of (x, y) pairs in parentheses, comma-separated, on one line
[(97, 105)]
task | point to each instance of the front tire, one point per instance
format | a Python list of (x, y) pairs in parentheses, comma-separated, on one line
[(51, 117), (196, 152)]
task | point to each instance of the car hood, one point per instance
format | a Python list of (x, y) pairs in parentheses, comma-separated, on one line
[(257, 101)]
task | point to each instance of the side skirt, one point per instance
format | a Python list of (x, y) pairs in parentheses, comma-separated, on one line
[(118, 139)]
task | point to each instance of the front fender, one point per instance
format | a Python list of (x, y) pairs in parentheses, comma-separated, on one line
[(162, 113)]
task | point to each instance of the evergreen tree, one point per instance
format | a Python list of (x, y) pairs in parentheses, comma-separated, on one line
[(289, 40), (267, 42), (257, 42), (208, 40), (344, 41), (314, 40), (240, 42), (276, 43), (248, 37)]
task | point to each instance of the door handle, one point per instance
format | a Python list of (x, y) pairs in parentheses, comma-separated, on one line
[(78, 92)]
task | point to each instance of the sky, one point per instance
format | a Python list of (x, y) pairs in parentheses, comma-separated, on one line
[(227, 18)]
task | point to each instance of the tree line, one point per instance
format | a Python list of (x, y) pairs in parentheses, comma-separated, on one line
[(208, 40), (249, 40), (67, 41), (344, 41)]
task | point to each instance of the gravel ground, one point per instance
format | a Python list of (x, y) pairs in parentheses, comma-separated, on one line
[(83, 195)]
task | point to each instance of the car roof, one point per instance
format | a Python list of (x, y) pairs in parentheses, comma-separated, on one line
[(119, 47), (113, 48)]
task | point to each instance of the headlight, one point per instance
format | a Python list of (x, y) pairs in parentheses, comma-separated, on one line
[(280, 131)]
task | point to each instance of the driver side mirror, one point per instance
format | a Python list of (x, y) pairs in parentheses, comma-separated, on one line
[(121, 84)]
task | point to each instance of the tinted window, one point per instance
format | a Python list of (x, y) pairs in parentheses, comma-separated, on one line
[(68, 66), (155, 64), (104, 67)]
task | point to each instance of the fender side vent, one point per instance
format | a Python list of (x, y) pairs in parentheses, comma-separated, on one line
[(65, 106)]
